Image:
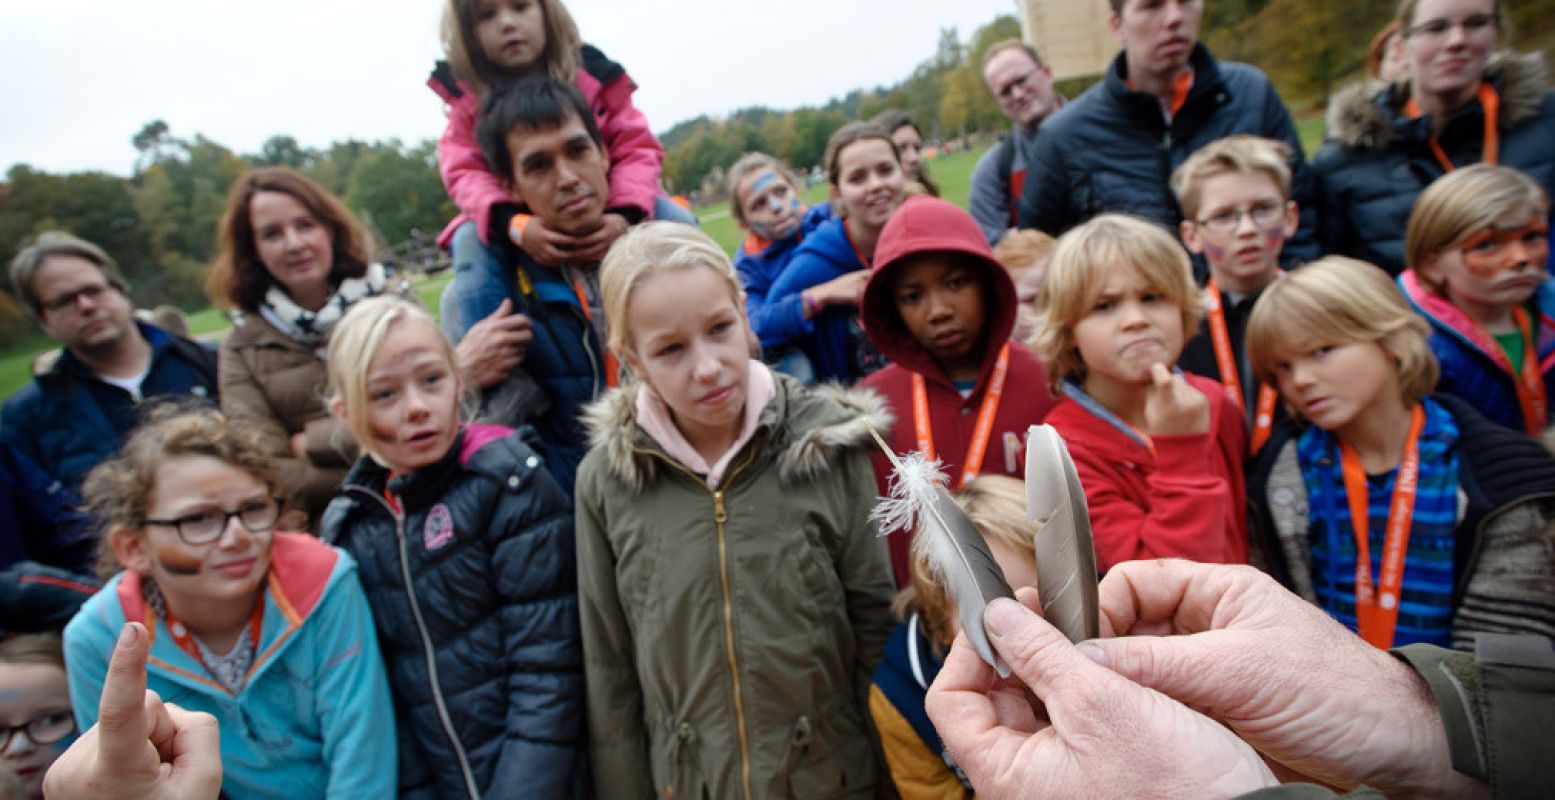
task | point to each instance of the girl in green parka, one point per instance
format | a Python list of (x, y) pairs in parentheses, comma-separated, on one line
[(734, 596)]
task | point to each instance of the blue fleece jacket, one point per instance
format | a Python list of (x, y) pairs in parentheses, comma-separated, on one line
[(314, 720), (833, 339), (759, 266), (1473, 365)]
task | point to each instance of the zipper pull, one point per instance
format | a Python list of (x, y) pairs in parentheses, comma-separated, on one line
[(719, 515)]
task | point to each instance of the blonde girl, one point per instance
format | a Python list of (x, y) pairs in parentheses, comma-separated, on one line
[(465, 543), (734, 595)]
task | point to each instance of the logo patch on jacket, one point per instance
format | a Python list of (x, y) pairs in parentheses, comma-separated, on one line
[(439, 529)]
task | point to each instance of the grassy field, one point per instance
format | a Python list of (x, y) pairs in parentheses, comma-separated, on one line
[(954, 173)]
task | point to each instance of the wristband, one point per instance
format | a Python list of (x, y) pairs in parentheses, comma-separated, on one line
[(516, 228)]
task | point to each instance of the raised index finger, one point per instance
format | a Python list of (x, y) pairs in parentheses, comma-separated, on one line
[(121, 710)]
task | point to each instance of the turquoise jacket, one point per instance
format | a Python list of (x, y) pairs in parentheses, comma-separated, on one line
[(314, 719)]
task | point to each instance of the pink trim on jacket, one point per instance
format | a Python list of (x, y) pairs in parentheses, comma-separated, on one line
[(478, 435), (636, 157), (655, 419)]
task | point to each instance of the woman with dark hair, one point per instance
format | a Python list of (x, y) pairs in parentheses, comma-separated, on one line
[(909, 145), (1462, 102), (291, 259)]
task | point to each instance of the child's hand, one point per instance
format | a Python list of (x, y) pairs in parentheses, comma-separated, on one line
[(594, 246), (1173, 407), (843, 291), (545, 245)]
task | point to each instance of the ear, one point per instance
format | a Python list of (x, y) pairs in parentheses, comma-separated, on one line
[(1115, 23), (337, 406), (837, 208), (632, 363), (1427, 269), (1292, 218), (1190, 237), (129, 548)]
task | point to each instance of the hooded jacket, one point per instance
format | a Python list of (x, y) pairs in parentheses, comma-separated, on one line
[(636, 157), (472, 580), (1185, 498), (729, 634), (1503, 570), (929, 224), (759, 263), (1111, 149), (1473, 365), (313, 720), (1377, 160), (830, 338)]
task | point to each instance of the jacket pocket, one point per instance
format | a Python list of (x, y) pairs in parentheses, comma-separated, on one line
[(830, 757), (677, 767)]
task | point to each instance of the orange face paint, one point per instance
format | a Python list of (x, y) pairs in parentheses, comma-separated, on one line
[(1493, 250), (178, 562)]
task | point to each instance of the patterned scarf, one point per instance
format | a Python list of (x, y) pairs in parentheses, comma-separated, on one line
[(311, 328)]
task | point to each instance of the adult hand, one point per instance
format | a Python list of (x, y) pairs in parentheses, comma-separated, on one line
[(593, 246), (1173, 407), (544, 244), (1286, 677), (140, 748), (1094, 734), (493, 347)]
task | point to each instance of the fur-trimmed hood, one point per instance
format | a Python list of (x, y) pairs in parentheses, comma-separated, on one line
[(804, 429), (1366, 114)]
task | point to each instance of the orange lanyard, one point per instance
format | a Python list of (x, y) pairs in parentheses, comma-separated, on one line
[(185, 640), (980, 434), (1376, 614), (1230, 376), (1490, 103), (857, 251), (612, 369), (1526, 377)]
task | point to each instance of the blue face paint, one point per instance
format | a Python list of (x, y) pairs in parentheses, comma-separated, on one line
[(764, 181)]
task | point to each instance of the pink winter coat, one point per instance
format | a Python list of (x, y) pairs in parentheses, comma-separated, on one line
[(635, 154)]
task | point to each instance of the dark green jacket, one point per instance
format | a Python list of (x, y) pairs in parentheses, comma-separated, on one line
[(729, 635)]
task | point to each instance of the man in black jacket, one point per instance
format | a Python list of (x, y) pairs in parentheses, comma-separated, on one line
[(1165, 96)]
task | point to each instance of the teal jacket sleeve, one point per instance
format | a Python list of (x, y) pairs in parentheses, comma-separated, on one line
[(352, 691)]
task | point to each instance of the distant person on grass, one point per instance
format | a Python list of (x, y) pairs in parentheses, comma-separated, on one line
[(1165, 96), (1022, 85), (73, 415)]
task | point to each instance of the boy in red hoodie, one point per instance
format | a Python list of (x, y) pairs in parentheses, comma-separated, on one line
[(1159, 452), (941, 309)]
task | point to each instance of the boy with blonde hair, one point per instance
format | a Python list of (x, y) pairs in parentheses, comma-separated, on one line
[(1237, 214), (1159, 452), (1407, 516)]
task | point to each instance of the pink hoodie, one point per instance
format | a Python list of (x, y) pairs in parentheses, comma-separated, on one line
[(635, 154)]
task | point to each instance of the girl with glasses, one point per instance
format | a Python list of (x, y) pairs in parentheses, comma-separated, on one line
[(268, 631)]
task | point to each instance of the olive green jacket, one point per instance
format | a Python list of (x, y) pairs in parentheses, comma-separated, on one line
[(729, 635)]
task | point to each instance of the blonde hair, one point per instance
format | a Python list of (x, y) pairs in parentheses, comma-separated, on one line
[(1243, 154), (354, 344), (1078, 272), (1337, 300), (33, 648), (1463, 202), (650, 248), (996, 505), (742, 169), (470, 64), (1023, 249)]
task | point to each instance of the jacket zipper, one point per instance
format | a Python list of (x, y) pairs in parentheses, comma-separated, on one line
[(721, 516), (426, 648)]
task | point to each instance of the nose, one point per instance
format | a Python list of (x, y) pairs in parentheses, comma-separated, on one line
[(1245, 225), (293, 239), (233, 533), (416, 407), (704, 367), (1300, 374), (1173, 12), (938, 306), (19, 744), (1131, 314)]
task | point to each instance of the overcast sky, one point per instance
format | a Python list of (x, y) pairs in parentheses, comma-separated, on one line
[(78, 78)]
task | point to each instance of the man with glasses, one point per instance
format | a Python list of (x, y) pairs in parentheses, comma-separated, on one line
[(1163, 97), (1023, 87), (74, 415)]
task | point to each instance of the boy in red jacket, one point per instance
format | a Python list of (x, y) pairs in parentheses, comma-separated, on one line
[(1159, 452), (941, 309)]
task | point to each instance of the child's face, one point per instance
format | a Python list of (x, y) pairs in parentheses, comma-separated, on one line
[(412, 397), (1497, 268), (1130, 328), (940, 299), (870, 182), (688, 343), (511, 32), (189, 546), (1331, 384), (38, 697), (1243, 223), (771, 205)]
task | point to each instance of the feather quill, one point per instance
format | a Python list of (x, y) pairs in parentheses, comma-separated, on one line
[(1066, 554), (947, 541)]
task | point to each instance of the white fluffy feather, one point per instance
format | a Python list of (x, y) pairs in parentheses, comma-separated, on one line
[(911, 493)]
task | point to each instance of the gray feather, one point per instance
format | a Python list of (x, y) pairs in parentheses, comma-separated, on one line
[(1066, 554)]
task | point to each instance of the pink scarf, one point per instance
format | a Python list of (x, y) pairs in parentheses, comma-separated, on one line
[(656, 420)]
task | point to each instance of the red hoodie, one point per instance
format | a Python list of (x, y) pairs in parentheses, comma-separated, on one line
[(925, 224), (1186, 500)]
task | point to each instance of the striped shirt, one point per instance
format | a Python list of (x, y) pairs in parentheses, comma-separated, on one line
[(1425, 608)]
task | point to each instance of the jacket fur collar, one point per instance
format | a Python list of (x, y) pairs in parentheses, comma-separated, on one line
[(1358, 117), (806, 429)]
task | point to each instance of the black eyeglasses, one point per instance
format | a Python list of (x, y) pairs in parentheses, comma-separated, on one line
[(203, 527), (70, 300), (1264, 215), (46, 729)]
